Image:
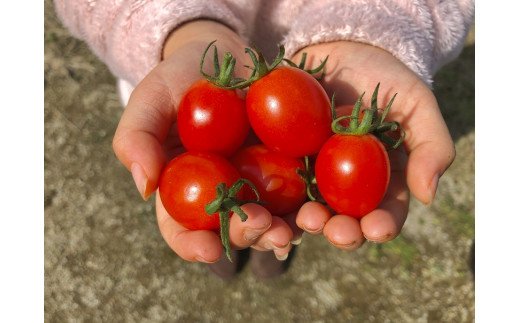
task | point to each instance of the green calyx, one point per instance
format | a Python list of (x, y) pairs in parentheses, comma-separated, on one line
[(223, 72), (372, 121), (227, 202), (260, 66), (301, 65)]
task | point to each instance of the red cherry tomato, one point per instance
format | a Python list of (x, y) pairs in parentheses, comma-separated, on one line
[(212, 119), (275, 177), (352, 173), (289, 111), (189, 182)]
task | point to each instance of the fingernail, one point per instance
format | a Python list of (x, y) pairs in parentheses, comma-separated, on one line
[(297, 241), (140, 179), (433, 188), (202, 259), (272, 246), (281, 257), (252, 234), (344, 245), (314, 230)]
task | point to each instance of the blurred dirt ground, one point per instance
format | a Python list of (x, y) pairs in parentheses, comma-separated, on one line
[(105, 260)]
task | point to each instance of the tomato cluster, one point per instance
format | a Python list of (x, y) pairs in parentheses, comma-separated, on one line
[(293, 121)]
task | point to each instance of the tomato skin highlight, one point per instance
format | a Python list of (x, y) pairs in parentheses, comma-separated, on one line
[(189, 182), (274, 176), (212, 119), (352, 173), (289, 111)]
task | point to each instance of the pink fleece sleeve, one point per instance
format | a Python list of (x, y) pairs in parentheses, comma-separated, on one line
[(128, 35), (423, 34)]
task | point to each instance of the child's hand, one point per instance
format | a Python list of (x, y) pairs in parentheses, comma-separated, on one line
[(354, 68), (146, 138)]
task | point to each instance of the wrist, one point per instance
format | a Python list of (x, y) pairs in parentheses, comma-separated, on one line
[(203, 31)]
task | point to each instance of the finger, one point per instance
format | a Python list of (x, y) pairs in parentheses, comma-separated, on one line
[(244, 234), (283, 253), (386, 222), (344, 232), (277, 238), (290, 219), (141, 132), (312, 217), (200, 245), (431, 149)]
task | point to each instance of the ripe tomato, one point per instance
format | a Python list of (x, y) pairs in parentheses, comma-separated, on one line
[(188, 183), (212, 119), (352, 173), (289, 111), (274, 175)]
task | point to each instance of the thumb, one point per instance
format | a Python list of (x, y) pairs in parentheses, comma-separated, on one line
[(431, 150), (142, 130)]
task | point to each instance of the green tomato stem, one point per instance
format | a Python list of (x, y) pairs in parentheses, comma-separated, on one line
[(223, 73), (225, 203), (224, 233)]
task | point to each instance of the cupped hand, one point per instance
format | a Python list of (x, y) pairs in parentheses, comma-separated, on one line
[(428, 150), (146, 138)]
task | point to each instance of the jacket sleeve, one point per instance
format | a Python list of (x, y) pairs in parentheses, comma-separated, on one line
[(423, 34), (128, 35)]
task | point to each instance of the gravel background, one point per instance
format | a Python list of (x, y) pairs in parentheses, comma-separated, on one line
[(105, 260)]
